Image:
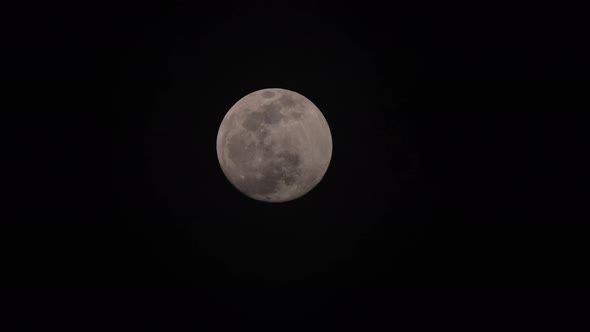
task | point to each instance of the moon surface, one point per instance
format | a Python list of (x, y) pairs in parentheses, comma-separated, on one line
[(274, 145)]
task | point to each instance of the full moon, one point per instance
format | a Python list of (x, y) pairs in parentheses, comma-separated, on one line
[(274, 145)]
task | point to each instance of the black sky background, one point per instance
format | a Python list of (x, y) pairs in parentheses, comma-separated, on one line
[(451, 199)]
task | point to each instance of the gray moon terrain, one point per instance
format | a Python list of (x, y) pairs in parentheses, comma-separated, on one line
[(274, 145)]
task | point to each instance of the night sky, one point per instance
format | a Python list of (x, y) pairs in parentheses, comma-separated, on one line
[(450, 201)]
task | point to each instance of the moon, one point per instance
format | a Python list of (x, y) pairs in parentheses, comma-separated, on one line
[(274, 145)]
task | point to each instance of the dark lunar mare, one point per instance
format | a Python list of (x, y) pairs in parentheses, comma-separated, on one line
[(285, 166), (287, 101), (253, 121), (268, 94), (240, 150), (272, 113)]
